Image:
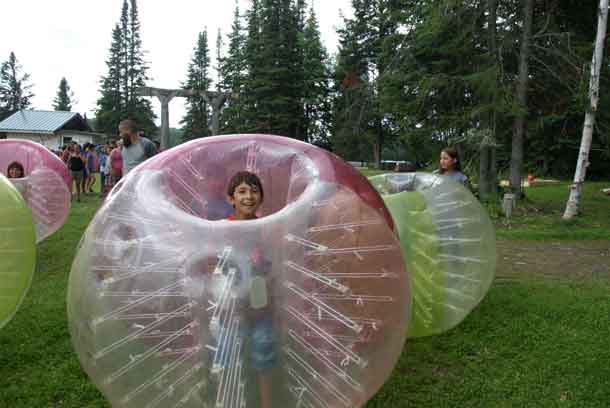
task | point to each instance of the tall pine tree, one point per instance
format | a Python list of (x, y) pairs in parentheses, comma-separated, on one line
[(15, 89), (272, 87), (126, 73), (231, 78), (63, 100), (354, 119), (111, 105), (217, 67), (315, 85), (254, 61), (197, 115)]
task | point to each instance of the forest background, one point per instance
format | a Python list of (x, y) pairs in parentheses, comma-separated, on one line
[(505, 81)]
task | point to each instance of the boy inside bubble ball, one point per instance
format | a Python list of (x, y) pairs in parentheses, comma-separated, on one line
[(252, 281)]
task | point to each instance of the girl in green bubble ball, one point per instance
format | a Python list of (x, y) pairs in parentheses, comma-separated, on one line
[(449, 165)]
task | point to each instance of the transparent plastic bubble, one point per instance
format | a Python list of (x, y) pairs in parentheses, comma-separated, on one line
[(449, 246), (45, 185), (17, 250), (170, 304)]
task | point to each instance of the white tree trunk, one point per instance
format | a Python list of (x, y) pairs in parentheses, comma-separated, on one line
[(587, 130)]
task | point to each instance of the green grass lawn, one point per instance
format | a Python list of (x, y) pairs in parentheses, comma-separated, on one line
[(373, 172), (531, 343), (538, 216)]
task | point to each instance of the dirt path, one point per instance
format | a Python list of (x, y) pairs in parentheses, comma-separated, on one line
[(554, 259)]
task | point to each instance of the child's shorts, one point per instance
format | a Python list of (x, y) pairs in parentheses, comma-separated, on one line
[(263, 353), (262, 344)]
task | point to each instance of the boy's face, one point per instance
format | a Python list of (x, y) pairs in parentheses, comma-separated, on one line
[(246, 199)]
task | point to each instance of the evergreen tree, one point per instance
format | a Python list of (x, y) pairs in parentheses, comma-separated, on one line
[(557, 92), (126, 73), (272, 87), (111, 105), (138, 107), (126, 57), (291, 75), (197, 115), (254, 62), (15, 89), (219, 47), (360, 127), (231, 78), (420, 75), (63, 100), (315, 85), (446, 85)]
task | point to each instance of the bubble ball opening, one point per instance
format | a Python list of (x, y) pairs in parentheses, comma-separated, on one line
[(170, 304), (45, 186), (449, 247), (17, 249)]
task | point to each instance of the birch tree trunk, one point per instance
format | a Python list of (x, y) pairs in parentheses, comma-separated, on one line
[(516, 158), (573, 203)]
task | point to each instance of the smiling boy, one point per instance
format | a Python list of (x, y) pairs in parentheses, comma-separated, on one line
[(245, 194)]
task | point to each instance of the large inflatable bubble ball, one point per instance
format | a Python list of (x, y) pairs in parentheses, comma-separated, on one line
[(17, 250), (172, 305), (449, 246), (45, 184)]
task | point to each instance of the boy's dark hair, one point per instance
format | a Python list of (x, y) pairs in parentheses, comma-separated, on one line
[(16, 165), (250, 179)]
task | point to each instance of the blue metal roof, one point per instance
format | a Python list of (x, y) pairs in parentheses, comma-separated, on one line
[(37, 121)]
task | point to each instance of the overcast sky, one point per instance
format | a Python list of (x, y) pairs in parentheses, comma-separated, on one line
[(70, 38)]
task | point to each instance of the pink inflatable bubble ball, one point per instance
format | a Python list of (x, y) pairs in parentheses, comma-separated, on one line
[(173, 302), (42, 179)]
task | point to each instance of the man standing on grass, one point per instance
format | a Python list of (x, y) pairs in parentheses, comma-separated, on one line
[(136, 148)]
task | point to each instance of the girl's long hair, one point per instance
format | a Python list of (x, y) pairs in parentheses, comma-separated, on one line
[(453, 153)]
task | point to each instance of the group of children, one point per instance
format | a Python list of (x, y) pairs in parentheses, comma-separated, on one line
[(85, 162)]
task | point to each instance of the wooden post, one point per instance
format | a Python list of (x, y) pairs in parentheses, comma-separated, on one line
[(215, 99)]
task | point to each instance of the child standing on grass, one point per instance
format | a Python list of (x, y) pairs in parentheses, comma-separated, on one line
[(92, 168), (76, 164), (116, 162), (104, 170), (245, 193)]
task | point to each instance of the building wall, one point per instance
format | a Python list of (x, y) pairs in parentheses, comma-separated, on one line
[(50, 141), (80, 137), (55, 141)]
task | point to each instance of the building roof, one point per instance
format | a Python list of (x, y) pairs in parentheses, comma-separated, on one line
[(37, 121)]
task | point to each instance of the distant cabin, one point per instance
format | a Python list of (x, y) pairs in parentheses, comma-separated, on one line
[(52, 129)]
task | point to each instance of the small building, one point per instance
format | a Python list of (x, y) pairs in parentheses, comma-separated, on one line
[(52, 129)]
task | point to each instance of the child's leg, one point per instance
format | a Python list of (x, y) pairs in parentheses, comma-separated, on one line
[(92, 178), (263, 355), (265, 388), (83, 181), (79, 182)]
